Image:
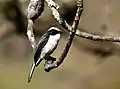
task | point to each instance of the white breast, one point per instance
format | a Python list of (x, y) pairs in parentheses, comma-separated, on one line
[(51, 44)]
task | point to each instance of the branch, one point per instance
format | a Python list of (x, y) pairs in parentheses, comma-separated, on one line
[(30, 34), (48, 67), (54, 9), (98, 37), (35, 9)]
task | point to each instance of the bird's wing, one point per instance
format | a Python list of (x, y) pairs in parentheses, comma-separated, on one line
[(40, 46)]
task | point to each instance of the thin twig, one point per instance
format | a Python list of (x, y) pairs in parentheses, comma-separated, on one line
[(70, 38)]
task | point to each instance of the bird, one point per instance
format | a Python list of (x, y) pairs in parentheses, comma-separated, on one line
[(45, 47)]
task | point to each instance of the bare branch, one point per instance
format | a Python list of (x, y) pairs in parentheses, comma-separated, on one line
[(48, 67), (78, 15), (97, 37), (54, 9), (35, 9), (30, 34)]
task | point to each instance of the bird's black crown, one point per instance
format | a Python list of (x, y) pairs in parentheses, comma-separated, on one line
[(54, 31)]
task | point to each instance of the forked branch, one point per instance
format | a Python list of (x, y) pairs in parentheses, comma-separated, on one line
[(56, 63), (54, 9)]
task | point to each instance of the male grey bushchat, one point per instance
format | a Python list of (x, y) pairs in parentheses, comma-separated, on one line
[(45, 47)]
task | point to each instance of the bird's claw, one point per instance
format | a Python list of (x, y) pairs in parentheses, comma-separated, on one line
[(48, 64)]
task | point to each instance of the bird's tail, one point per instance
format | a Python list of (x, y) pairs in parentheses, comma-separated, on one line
[(31, 72)]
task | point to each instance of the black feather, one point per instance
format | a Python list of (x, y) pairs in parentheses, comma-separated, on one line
[(40, 46)]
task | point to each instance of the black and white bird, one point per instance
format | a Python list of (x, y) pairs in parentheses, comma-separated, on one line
[(46, 46)]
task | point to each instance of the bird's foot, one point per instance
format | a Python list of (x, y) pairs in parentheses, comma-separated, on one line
[(48, 64)]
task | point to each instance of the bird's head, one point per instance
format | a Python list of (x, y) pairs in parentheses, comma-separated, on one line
[(54, 31)]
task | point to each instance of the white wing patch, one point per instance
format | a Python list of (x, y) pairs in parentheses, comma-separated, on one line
[(51, 44)]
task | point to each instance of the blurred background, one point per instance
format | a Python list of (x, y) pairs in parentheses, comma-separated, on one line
[(89, 64)]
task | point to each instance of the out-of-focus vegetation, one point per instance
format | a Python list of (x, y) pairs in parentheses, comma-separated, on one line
[(89, 64)]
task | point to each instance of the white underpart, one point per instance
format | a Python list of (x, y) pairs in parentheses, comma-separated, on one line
[(51, 44)]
